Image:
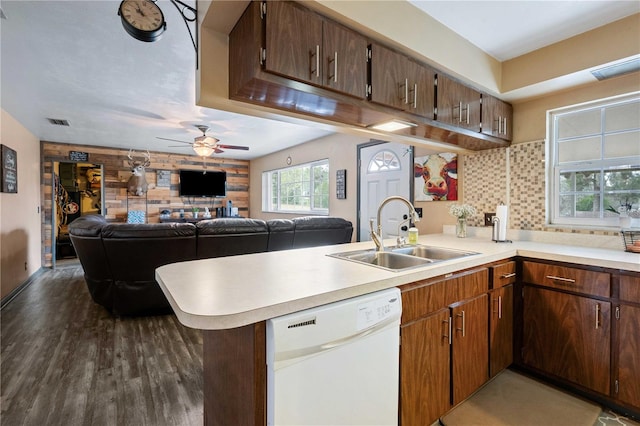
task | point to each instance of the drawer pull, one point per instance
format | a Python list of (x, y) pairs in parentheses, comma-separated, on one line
[(564, 280), (597, 316), (499, 307), (448, 326), (505, 276)]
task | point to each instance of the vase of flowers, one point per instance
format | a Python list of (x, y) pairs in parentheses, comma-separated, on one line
[(461, 212)]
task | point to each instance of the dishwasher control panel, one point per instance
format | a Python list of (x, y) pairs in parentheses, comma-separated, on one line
[(375, 311)]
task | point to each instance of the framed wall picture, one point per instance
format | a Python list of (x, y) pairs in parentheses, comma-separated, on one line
[(9, 170), (436, 177)]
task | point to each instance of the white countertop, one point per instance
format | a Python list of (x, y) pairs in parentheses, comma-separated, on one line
[(229, 292)]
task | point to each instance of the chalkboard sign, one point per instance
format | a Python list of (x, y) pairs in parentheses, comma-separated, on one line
[(9, 170), (78, 156), (341, 184)]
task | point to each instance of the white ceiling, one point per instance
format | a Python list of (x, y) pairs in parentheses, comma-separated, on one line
[(73, 60)]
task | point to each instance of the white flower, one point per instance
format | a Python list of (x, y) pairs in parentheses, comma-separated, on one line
[(462, 211)]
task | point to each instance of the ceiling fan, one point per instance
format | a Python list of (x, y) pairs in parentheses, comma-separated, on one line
[(205, 145)]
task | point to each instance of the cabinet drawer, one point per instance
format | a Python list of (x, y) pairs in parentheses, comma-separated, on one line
[(567, 278), (630, 288), (421, 301), (467, 285), (503, 274)]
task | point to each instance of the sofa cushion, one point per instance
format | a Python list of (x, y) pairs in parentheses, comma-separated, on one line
[(148, 230), (231, 236), (87, 226), (280, 234), (311, 231)]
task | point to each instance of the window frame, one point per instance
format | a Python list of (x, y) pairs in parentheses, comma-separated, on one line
[(267, 190), (602, 165)]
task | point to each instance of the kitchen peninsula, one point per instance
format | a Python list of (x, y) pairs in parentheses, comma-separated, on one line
[(230, 298)]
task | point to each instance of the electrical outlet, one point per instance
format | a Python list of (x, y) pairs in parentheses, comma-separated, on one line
[(419, 211), (488, 219)]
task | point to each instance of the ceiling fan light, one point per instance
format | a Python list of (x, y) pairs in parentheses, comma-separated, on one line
[(203, 150)]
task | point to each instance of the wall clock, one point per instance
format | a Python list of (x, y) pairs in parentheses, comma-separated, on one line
[(142, 19)]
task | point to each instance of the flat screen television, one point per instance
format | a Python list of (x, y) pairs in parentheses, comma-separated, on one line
[(194, 183)]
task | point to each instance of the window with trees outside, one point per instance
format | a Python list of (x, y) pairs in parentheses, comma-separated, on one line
[(297, 189), (594, 171)]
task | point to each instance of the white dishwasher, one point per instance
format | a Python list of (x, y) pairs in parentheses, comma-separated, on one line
[(336, 364)]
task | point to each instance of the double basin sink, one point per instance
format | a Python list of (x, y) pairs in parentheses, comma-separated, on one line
[(398, 258)]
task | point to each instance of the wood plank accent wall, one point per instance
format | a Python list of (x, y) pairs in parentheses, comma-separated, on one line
[(116, 174)]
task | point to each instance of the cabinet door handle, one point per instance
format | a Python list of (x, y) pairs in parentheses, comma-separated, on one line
[(564, 280), (415, 95), (499, 307), (460, 112), (505, 276), (463, 325), (406, 90), (504, 126), (448, 328), (597, 316), (467, 113), (335, 68)]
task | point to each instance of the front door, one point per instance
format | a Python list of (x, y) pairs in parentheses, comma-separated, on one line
[(385, 169)]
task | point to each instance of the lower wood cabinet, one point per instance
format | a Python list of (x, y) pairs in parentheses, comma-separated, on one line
[(568, 336), (500, 329), (627, 365), (425, 378), (444, 351), (470, 347)]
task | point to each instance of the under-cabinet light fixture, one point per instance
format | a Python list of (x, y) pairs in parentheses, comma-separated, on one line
[(392, 125)]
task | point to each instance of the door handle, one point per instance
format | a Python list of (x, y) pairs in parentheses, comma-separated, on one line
[(463, 324)]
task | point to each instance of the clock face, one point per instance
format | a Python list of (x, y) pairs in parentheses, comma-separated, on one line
[(142, 19)]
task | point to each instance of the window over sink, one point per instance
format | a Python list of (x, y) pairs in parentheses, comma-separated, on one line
[(594, 164)]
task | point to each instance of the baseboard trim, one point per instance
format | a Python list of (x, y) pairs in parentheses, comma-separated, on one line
[(16, 291)]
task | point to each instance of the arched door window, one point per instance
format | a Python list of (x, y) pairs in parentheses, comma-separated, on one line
[(384, 161)]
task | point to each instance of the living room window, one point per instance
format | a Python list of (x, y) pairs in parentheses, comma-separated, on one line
[(594, 167), (297, 189)]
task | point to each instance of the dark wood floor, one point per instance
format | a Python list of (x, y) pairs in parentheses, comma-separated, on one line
[(66, 361)]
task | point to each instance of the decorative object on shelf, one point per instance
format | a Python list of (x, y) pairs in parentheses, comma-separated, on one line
[(9, 170), (207, 213), (461, 212), (137, 184), (136, 216), (436, 177), (195, 211)]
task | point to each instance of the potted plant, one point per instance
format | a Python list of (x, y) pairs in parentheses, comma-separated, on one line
[(195, 212)]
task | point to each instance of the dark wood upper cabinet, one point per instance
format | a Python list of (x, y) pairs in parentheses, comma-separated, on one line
[(458, 105), (497, 116), (399, 82), (306, 47)]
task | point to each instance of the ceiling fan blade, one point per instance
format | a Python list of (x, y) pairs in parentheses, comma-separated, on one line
[(217, 151), (174, 140), (176, 146), (246, 148)]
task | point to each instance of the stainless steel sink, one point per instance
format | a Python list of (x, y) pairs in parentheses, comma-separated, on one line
[(431, 252), (400, 258)]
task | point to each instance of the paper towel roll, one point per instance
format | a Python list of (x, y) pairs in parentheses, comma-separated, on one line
[(502, 213)]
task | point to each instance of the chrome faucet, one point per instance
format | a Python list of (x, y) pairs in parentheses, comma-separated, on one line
[(377, 236)]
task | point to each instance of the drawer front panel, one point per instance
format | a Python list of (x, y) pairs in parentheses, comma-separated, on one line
[(504, 274), (467, 286), (630, 288), (567, 278), (421, 301)]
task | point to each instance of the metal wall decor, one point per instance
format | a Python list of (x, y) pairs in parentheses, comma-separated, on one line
[(9, 170)]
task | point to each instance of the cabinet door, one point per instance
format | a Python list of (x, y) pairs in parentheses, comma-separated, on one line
[(458, 105), (628, 380), (424, 370), (345, 60), (470, 352), (501, 329), (421, 89), (389, 79), (293, 42), (496, 117), (568, 336)]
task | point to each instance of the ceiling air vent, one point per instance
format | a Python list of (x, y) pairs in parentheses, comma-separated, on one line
[(617, 69), (58, 121)]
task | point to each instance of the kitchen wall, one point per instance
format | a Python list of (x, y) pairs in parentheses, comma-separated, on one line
[(20, 236), (117, 172)]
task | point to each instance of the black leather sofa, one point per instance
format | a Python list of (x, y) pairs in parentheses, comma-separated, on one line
[(120, 259)]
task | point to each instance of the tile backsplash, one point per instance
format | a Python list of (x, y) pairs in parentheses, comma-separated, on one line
[(516, 176)]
